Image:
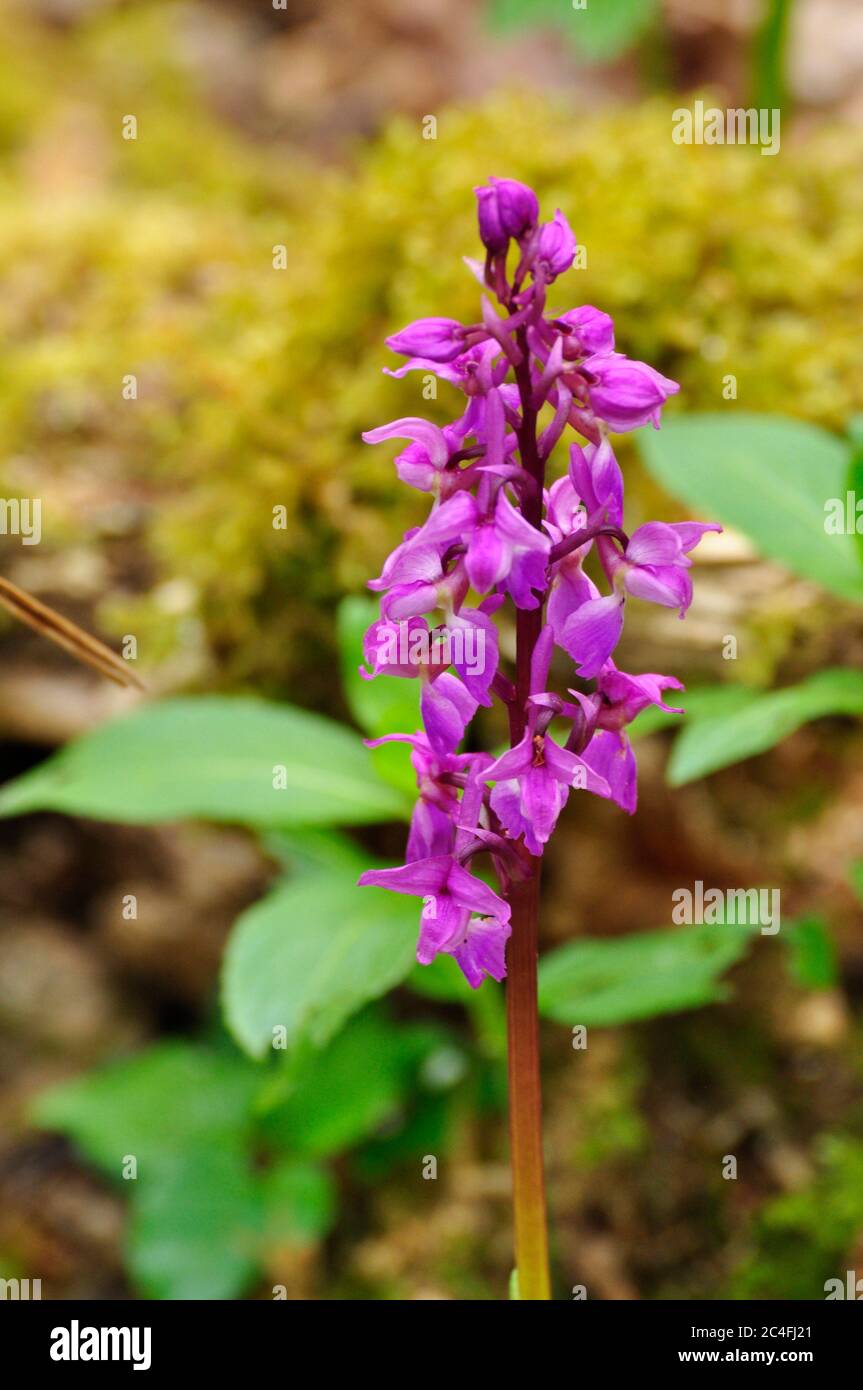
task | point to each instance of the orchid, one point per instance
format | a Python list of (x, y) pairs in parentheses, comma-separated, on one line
[(497, 530)]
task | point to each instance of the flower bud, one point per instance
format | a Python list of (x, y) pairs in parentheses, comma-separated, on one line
[(506, 208), (626, 394), (556, 246), (591, 331), (439, 340)]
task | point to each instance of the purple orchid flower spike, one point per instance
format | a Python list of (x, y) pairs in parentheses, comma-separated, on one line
[(497, 534)]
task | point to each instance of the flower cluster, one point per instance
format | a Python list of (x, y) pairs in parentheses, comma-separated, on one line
[(496, 532)]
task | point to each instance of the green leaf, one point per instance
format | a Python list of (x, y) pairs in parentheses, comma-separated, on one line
[(855, 878), (770, 55), (345, 1092), (812, 953), (310, 954), (605, 983), (184, 1114), (299, 1200), (712, 743), (605, 29), (211, 757), (151, 1104), (313, 849), (770, 478), (602, 29), (194, 1228)]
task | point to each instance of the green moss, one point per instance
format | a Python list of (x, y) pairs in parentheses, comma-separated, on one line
[(154, 257), (802, 1239)]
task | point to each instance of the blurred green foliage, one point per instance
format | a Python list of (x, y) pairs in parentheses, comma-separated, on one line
[(601, 32), (224, 1162), (802, 1239), (155, 257)]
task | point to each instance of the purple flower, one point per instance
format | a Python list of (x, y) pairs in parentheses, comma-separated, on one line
[(396, 648), (473, 646), (590, 332), (626, 394), (438, 339), (506, 208), (625, 696), (591, 633), (555, 247), (433, 821), (416, 581), (619, 698), (596, 477), (421, 464), (610, 756), (504, 548), (451, 895), (447, 707), (535, 777), (655, 565), (501, 547)]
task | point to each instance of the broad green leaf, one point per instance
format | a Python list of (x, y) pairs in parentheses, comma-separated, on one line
[(212, 757), (299, 1201), (385, 705), (712, 743), (183, 1112), (767, 476), (344, 1092), (604, 983), (310, 954), (194, 1227), (152, 1104), (812, 953), (311, 849)]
